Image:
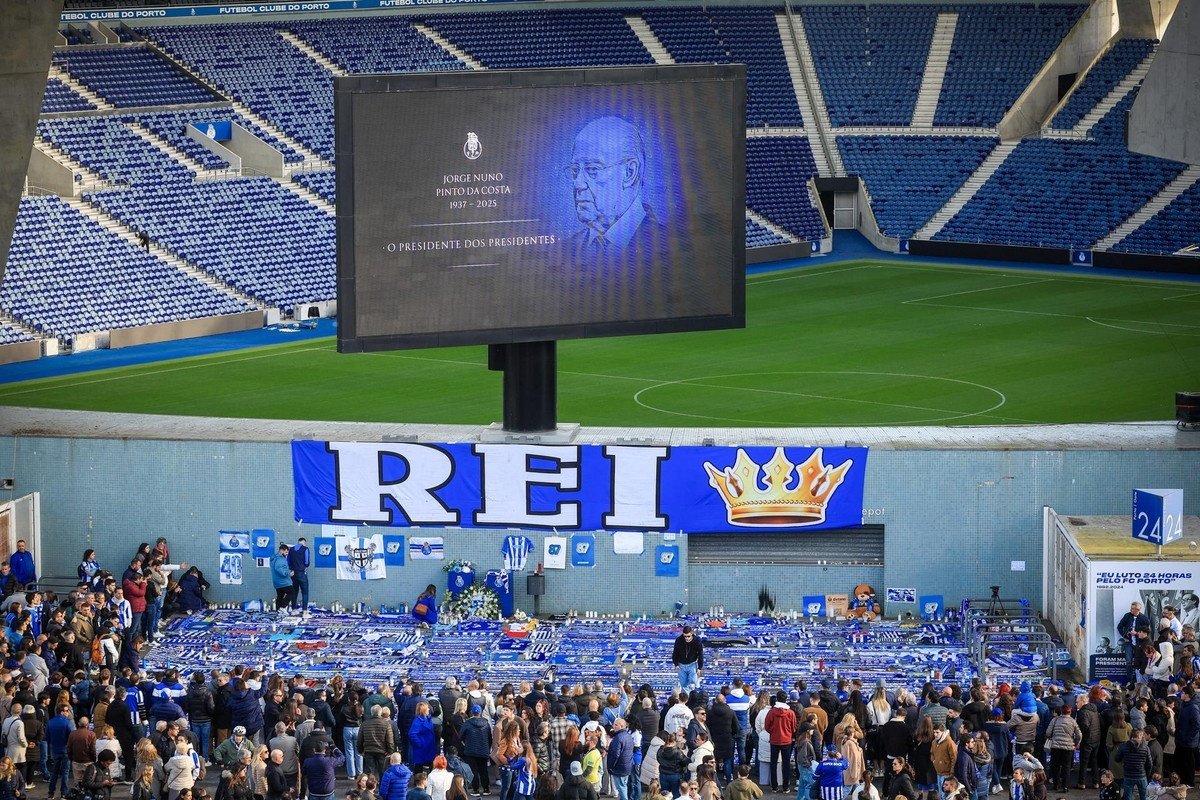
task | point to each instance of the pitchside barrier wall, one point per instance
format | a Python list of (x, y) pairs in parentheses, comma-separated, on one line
[(959, 510), (1182, 265)]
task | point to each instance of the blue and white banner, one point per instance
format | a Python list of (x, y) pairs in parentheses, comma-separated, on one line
[(246, 9), (583, 550), (324, 556), (393, 550), (219, 130), (666, 561), (814, 605), (579, 487), (428, 547), (360, 558), (262, 542), (235, 541), (897, 594)]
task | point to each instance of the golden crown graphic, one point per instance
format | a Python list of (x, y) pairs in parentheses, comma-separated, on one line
[(779, 497)]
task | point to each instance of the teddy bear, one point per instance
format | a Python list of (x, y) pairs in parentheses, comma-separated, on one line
[(864, 605)]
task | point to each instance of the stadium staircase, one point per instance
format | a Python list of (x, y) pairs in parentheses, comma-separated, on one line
[(935, 70), (807, 89), (441, 41), (122, 231), (203, 173), (311, 196), (651, 42), (968, 190), (771, 226), (1185, 181), (9, 321), (79, 88), (1101, 109), (316, 55)]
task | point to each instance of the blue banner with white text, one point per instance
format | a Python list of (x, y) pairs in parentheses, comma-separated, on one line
[(579, 487), (247, 9)]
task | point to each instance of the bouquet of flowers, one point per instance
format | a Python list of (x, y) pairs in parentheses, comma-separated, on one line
[(459, 565), (475, 602)]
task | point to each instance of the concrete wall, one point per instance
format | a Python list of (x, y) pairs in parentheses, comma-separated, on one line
[(185, 329), (27, 39), (1076, 53), (955, 520), (257, 156), (20, 351), (1165, 120), (46, 173)]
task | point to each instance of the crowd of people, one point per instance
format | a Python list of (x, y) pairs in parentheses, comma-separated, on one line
[(78, 711)]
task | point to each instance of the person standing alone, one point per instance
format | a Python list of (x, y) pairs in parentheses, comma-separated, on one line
[(299, 560)]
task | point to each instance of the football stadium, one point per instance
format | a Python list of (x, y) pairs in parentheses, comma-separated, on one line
[(434, 399)]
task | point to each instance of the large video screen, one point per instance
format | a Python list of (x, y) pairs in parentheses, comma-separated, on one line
[(525, 205)]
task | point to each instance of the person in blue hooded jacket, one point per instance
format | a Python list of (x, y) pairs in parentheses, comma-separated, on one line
[(422, 742), (425, 609), (281, 578), (245, 710)]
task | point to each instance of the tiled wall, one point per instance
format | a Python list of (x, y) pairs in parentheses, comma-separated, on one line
[(955, 521)]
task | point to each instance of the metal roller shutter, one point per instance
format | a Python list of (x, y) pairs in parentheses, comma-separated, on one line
[(862, 546)]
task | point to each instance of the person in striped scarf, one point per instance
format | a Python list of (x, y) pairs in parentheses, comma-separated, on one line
[(829, 775)]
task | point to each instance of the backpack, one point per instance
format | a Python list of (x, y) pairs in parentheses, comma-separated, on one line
[(4, 734), (97, 652)]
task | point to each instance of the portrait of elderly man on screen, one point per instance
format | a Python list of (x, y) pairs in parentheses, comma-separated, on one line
[(607, 173)]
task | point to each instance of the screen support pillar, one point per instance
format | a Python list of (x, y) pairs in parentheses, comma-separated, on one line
[(530, 385)]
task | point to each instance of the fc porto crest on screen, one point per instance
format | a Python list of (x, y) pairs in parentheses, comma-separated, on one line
[(473, 148)]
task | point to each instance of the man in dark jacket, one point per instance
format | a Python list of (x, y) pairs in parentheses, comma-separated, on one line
[(476, 738), (319, 772), (278, 787), (1187, 735), (244, 709), (648, 721), (620, 758), (376, 740), (723, 729), (1135, 755), (200, 707), (1088, 719), (688, 658)]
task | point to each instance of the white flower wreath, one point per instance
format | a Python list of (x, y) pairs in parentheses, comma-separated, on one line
[(476, 602)]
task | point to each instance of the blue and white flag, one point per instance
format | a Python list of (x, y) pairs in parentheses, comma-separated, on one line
[(899, 594), (428, 547), (499, 581), (360, 558), (393, 550), (235, 541), (583, 550), (516, 550), (263, 542), (666, 561)]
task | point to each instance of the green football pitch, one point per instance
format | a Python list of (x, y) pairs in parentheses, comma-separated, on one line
[(854, 343)]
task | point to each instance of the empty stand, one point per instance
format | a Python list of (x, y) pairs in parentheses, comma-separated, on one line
[(68, 275), (132, 76), (106, 147), (255, 65), (59, 97), (910, 177), (388, 44), (1057, 193), (1174, 228), (869, 60), (1105, 75), (543, 38), (997, 51), (171, 127), (695, 35), (322, 184), (252, 233), (777, 173), (934, 75)]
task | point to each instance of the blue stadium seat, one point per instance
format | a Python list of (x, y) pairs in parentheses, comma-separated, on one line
[(132, 76)]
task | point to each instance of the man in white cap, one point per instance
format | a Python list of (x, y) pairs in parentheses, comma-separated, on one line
[(226, 753)]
